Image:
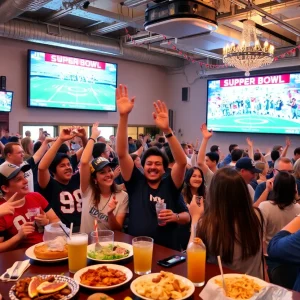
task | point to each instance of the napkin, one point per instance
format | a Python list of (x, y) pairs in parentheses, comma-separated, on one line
[(22, 268), (270, 292)]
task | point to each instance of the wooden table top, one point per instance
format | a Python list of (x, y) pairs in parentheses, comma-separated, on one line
[(8, 258)]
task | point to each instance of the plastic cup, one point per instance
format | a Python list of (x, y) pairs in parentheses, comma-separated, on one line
[(33, 212), (105, 236), (159, 207), (77, 251), (142, 254), (198, 200)]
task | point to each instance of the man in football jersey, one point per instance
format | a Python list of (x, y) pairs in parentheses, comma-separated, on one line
[(14, 154), (17, 228), (63, 189)]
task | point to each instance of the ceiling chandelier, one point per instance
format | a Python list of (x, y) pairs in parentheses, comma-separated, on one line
[(249, 54)]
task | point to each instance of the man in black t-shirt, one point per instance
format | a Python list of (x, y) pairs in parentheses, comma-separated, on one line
[(145, 190), (63, 190)]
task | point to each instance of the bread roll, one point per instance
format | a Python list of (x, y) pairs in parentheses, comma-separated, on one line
[(43, 252), (98, 296)]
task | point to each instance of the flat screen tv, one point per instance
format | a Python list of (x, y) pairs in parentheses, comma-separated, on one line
[(59, 81), (261, 104), (6, 98)]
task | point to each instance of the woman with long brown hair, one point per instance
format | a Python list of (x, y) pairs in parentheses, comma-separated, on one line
[(193, 184), (101, 200), (27, 145), (230, 226)]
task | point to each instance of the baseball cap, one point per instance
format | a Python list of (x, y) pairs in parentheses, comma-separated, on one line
[(9, 171), (247, 163), (99, 163), (45, 133)]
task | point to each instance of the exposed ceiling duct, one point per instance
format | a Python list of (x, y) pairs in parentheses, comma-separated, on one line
[(134, 3), (273, 18), (39, 33), (10, 9)]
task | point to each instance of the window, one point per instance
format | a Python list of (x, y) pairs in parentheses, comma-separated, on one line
[(35, 131), (106, 132)]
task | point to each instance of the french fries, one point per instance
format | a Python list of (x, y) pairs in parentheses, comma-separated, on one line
[(163, 287), (240, 287)]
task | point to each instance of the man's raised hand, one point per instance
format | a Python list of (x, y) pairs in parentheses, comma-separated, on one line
[(124, 104), (160, 115)]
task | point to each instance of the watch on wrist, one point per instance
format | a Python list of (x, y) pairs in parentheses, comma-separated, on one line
[(168, 135)]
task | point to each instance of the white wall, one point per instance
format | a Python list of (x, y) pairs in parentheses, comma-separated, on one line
[(144, 81), (190, 115)]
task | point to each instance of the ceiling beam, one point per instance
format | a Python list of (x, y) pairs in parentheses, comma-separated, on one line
[(274, 19), (243, 13), (63, 12), (135, 3)]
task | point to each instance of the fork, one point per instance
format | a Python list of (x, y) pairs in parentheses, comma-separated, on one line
[(97, 245), (6, 275), (15, 272)]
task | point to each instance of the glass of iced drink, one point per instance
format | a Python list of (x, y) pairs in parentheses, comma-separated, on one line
[(142, 254), (77, 251)]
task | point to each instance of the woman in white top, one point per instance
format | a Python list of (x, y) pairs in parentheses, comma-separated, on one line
[(100, 198), (230, 226), (283, 209)]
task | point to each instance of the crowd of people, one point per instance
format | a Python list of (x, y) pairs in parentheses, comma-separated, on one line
[(243, 206)]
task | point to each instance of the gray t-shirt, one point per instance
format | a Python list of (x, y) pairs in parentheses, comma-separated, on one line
[(275, 218), (90, 212), (208, 177), (251, 266)]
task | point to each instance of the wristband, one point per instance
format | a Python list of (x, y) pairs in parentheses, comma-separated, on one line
[(90, 138), (168, 135)]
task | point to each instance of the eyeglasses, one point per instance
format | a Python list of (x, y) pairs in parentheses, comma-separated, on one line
[(286, 171)]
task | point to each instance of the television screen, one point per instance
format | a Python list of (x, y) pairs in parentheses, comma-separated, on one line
[(59, 81), (262, 104), (6, 98)]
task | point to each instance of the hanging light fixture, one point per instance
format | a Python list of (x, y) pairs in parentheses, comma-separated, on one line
[(249, 54)]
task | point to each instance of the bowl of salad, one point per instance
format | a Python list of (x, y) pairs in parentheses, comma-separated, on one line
[(110, 252)]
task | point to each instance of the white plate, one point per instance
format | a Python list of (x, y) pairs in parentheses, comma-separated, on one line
[(124, 245), (256, 280), (30, 253), (153, 275), (73, 285), (103, 288)]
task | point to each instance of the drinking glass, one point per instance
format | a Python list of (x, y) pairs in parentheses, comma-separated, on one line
[(198, 200), (159, 207), (105, 236), (142, 254), (33, 212), (77, 251)]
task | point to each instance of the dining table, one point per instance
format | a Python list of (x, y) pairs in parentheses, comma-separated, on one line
[(61, 268)]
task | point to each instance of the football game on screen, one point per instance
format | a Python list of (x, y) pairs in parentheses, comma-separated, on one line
[(58, 81), (262, 104)]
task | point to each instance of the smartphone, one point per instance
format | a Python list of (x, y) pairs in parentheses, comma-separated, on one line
[(171, 261)]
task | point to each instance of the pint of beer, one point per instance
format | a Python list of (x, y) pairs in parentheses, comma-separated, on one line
[(77, 251)]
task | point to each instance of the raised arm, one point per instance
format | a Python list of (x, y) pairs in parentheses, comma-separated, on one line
[(206, 135), (288, 143), (264, 196), (85, 172), (37, 156), (250, 144), (139, 151), (43, 172), (162, 122), (125, 105), (82, 134)]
